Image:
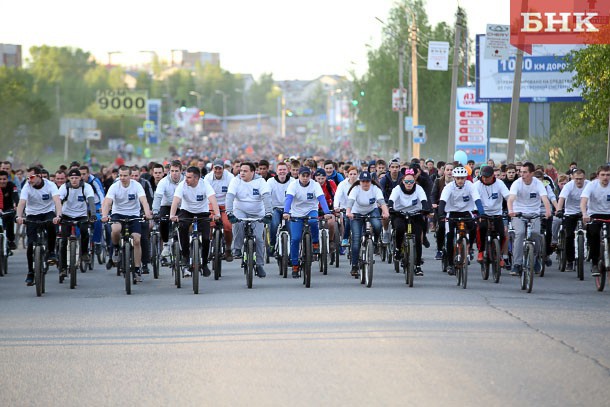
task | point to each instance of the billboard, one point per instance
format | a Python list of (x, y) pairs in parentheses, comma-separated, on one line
[(542, 80), (471, 125)]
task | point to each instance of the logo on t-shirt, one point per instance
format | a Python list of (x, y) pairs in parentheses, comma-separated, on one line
[(310, 195), (81, 198), (494, 195), (45, 197), (199, 198), (533, 195), (255, 191), (466, 198), (371, 201), (414, 202), (608, 198), (224, 189), (131, 197)]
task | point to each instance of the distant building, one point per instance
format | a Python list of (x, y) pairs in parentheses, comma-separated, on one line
[(10, 55), (189, 60)]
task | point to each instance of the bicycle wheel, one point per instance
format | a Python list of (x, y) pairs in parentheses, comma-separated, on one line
[(369, 261), (3, 255), (217, 254), (410, 257), (390, 257), (600, 281), (323, 260), (486, 263), (465, 264), (176, 266), (72, 263), (126, 261), (61, 261), (154, 254), (249, 261), (196, 260), (580, 262), (267, 237), (561, 251), (527, 276), (495, 260), (337, 252), (307, 259), (101, 256), (38, 271), (284, 259)]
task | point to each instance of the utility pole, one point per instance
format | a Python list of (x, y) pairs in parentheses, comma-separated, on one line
[(454, 79), (414, 90), (401, 120), (514, 109)]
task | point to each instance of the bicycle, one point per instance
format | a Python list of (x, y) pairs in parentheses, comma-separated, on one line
[(126, 261), (248, 261), (408, 247), (579, 242), (460, 251), (282, 248), (68, 246), (155, 247), (336, 254), (510, 243), (4, 250), (603, 264), (175, 256), (492, 254), (366, 257), (324, 242), (217, 248), (529, 244), (305, 248), (195, 242), (40, 254)]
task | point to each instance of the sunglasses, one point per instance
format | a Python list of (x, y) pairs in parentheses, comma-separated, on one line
[(409, 181)]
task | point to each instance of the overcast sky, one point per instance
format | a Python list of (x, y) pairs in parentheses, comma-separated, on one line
[(291, 39)]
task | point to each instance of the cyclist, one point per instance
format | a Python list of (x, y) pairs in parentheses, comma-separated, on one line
[(595, 204), (148, 190), (525, 195), (98, 197), (194, 196), (340, 202), (302, 199), (9, 196), (40, 199), (164, 195), (157, 175), (547, 223), (330, 167), (329, 188), (364, 198), (278, 186), (569, 204), (492, 192), (78, 204), (409, 197), (458, 199), (263, 170), (388, 182), (124, 198), (435, 196), (248, 196), (219, 179)]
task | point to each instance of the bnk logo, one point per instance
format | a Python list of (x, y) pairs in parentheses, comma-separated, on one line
[(559, 22)]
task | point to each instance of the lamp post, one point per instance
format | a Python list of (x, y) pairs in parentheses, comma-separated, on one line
[(110, 53), (224, 108), (198, 96)]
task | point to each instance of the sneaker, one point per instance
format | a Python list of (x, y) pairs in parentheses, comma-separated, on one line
[(145, 269), (480, 257), (439, 255), (385, 237), (451, 270), (425, 242), (29, 279), (397, 254), (166, 250), (595, 271), (98, 248), (229, 256), (537, 266), (186, 271), (52, 259), (206, 270), (516, 270), (12, 245), (115, 254), (316, 248), (260, 271), (237, 254), (548, 262), (109, 264), (418, 271), (344, 243), (63, 273), (354, 271), (508, 265), (295, 271), (137, 275), (85, 257), (570, 266)]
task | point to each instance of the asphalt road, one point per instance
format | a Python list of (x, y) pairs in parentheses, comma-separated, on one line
[(337, 343)]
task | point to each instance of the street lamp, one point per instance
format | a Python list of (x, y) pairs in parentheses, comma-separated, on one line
[(198, 96), (110, 56), (224, 108)]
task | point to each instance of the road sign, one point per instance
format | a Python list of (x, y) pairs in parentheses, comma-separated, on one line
[(94, 134), (408, 123), (122, 102), (149, 126), (399, 99), (419, 134), (497, 45), (438, 55)]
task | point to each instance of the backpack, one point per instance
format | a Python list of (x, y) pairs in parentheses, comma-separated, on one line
[(82, 187)]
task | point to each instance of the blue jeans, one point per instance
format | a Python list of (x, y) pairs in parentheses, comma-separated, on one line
[(276, 219), (97, 226), (357, 229), (296, 228)]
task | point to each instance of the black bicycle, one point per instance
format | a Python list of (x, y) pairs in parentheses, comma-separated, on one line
[(492, 254), (68, 248), (175, 255), (604, 254), (155, 246), (248, 261), (282, 248), (217, 248), (366, 255), (305, 249), (40, 254), (126, 265), (195, 243), (460, 249), (408, 246), (4, 250)]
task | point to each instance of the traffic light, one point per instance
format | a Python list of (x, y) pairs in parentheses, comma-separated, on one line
[(361, 93), (355, 102)]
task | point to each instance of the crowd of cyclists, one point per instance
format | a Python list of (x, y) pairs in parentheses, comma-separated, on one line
[(395, 199)]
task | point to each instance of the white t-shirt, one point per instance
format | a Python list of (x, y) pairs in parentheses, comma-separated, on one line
[(491, 196), (126, 201), (164, 194), (572, 194), (220, 186), (278, 190), (408, 202), (249, 195), (340, 200), (599, 198), (305, 198), (76, 205), (195, 199), (365, 201), (460, 199), (39, 201), (528, 196)]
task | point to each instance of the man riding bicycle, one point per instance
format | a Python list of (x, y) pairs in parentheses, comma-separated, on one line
[(595, 204), (219, 179)]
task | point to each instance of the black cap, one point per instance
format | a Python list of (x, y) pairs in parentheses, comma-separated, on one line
[(365, 176), (487, 171), (74, 173), (320, 171), (304, 170)]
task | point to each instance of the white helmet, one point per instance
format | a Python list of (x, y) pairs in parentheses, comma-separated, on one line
[(459, 172)]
